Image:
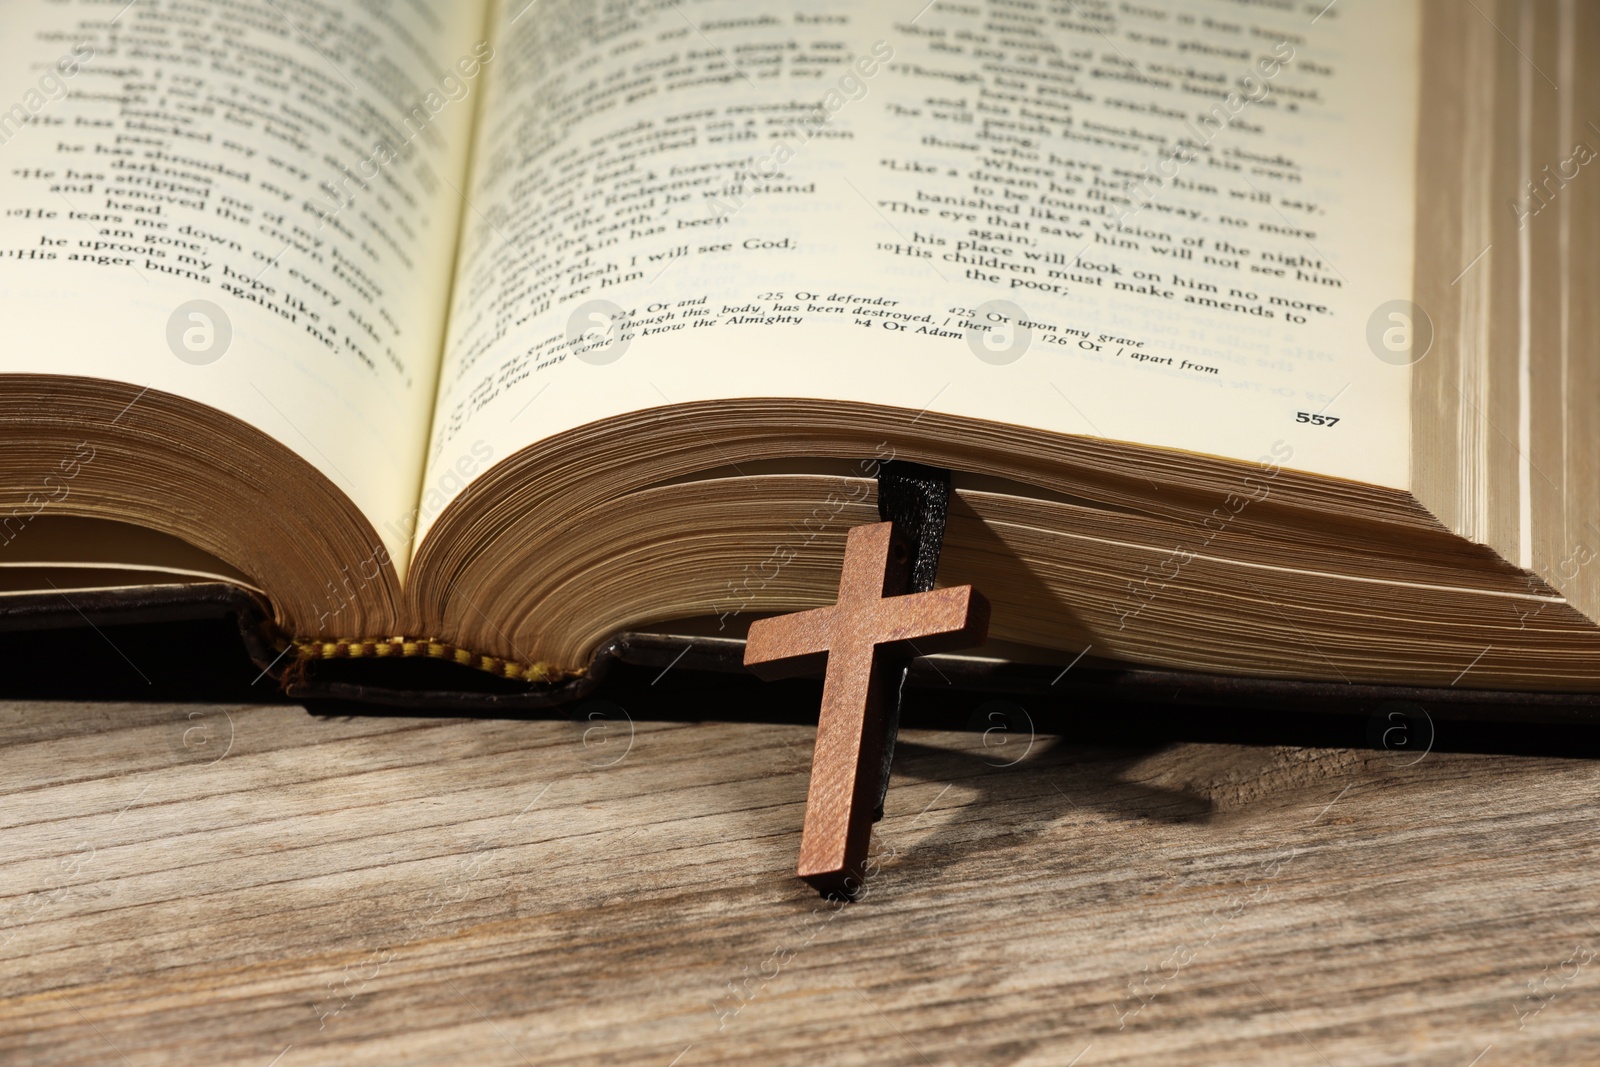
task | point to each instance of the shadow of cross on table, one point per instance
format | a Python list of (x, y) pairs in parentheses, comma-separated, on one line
[(864, 640), (1006, 799)]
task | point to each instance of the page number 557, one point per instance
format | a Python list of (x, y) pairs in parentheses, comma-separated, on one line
[(1315, 420)]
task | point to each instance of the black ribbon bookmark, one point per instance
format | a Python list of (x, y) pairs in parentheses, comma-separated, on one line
[(916, 498)]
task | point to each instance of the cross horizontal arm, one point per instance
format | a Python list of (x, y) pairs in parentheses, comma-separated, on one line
[(940, 620), (790, 645)]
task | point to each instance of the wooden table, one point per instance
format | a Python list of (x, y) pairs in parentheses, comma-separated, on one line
[(238, 884)]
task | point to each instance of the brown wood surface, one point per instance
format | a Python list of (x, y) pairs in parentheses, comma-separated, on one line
[(250, 885)]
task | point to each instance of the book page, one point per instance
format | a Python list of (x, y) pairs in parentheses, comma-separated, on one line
[(252, 204), (1168, 224)]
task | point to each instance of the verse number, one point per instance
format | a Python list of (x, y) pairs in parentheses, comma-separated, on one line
[(1315, 420)]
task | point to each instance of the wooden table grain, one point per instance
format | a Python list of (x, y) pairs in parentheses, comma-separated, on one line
[(255, 885)]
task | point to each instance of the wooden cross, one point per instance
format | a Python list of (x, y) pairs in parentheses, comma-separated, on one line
[(864, 640)]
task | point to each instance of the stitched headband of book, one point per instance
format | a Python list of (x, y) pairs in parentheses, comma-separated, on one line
[(1262, 343)]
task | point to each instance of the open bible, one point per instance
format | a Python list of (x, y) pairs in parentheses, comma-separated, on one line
[(1261, 337)]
